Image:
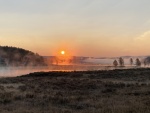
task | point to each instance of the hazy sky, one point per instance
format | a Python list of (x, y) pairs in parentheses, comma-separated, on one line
[(81, 27)]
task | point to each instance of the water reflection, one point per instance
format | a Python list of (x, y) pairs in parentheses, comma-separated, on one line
[(18, 71)]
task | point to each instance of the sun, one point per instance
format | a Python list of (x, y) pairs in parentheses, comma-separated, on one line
[(62, 52)]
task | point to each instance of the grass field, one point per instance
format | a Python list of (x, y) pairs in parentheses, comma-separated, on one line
[(114, 91)]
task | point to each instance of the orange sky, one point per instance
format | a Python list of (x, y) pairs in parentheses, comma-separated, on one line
[(82, 28)]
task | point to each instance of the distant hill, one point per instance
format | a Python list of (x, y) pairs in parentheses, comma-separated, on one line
[(13, 56)]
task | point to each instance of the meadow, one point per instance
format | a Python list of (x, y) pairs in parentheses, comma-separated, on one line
[(112, 91)]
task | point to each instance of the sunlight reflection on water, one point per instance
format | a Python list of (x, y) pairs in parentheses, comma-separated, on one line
[(18, 71)]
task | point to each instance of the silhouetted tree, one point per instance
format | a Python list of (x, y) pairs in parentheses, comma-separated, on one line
[(131, 61), (115, 63), (138, 62), (147, 61), (121, 61), (2, 62)]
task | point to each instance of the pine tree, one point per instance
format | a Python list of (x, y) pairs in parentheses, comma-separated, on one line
[(121, 61), (115, 63), (131, 61), (138, 62), (2, 62)]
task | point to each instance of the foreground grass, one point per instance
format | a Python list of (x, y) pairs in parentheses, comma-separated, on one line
[(115, 91)]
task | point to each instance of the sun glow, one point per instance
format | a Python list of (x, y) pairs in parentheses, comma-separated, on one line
[(62, 57), (62, 52)]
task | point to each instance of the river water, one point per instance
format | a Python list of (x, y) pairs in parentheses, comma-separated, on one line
[(18, 71), (90, 64)]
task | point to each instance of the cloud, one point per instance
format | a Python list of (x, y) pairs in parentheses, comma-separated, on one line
[(143, 37), (140, 46)]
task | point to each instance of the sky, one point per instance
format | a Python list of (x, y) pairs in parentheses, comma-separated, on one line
[(80, 27)]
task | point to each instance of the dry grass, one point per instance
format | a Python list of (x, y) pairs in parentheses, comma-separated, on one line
[(116, 91)]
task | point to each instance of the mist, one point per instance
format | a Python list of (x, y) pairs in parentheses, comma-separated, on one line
[(87, 64), (17, 61), (18, 71)]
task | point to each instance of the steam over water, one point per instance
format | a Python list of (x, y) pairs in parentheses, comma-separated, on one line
[(18, 71), (90, 64)]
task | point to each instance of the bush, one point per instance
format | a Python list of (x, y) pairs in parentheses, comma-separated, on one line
[(22, 88)]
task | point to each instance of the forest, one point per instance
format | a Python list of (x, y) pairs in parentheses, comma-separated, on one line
[(13, 56)]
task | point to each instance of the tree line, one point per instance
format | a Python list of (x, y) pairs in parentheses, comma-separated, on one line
[(13, 56), (137, 62)]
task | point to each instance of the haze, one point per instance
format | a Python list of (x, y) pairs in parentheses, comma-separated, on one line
[(82, 27)]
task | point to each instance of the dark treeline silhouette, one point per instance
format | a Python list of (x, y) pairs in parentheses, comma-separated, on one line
[(137, 62), (13, 56)]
